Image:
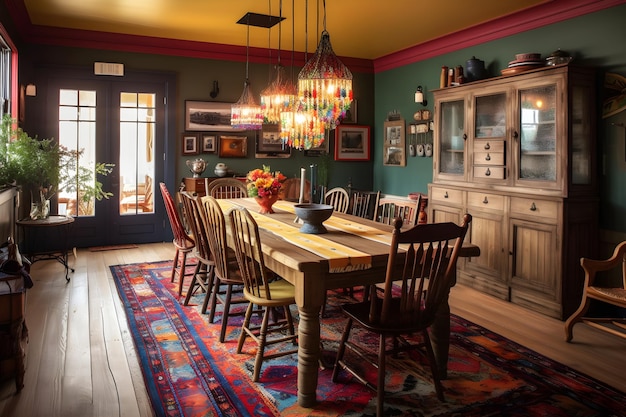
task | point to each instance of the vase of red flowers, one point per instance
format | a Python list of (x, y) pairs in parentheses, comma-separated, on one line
[(264, 186)]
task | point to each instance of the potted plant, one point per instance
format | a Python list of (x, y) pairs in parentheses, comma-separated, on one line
[(42, 167)]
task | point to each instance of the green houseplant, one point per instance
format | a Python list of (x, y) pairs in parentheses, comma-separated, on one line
[(42, 168)]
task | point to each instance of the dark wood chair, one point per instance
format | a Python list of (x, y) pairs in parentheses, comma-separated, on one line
[(389, 209), (614, 295), (290, 190), (205, 268), (183, 243), (422, 272), (364, 203), (261, 289), (338, 198), (226, 271), (227, 188)]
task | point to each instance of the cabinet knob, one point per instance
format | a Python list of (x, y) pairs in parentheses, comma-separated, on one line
[(485, 201), (445, 195), (515, 135), (533, 207), (487, 146), (488, 172), (464, 136), (488, 157)]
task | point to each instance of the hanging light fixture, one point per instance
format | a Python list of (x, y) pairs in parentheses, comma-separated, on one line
[(299, 128), (280, 96), (245, 113), (325, 83)]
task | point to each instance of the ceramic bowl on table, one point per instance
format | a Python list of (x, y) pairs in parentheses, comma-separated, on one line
[(313, 216)]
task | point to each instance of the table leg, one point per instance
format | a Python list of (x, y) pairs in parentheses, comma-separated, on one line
[(308, 355)]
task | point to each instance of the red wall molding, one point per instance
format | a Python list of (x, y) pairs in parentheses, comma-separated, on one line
[(547, 13)]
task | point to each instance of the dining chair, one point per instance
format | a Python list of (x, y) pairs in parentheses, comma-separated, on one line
[(203, 273), (290, 190), (226, 271), (389, 208), (364, 203), (183, 242), (420, 270), (261, 289), (338, 198), (599, 289), (227, 188)]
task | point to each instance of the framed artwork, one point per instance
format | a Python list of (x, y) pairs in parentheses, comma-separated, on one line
[(209, 143), (351, 114), (352, 143), (394, 145), (207, 115), (269, 142), (233, 146), (190, 144)]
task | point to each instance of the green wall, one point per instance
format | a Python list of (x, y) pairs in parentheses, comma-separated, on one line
[(596, 39), (194, 82)]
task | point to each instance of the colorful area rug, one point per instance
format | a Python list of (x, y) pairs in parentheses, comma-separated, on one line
[(189, 373)]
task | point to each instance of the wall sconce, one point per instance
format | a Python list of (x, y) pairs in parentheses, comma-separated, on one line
[(31, 90), (419, 96)]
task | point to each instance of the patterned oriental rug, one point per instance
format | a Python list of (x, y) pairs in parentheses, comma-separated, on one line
[(189, 373)]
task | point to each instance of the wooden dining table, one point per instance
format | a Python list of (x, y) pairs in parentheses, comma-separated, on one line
[(353, 252)]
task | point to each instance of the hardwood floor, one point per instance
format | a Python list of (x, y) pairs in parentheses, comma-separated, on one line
[(81, 360)]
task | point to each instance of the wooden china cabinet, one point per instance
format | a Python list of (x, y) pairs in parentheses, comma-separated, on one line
[(519, 154)]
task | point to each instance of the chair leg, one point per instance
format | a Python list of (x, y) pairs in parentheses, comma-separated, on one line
[(210, 277), (576, 318), (433, 365), (226, 312), (380, 383), (216, 289), (261, 348), (183, 266), (244, 327), (175, 265), (342, 349)]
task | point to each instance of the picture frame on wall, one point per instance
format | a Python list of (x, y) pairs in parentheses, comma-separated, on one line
[(352, 143), (190, 144), (208, 115), (209, 143), (233, 146), (394, 153), (269, 142)]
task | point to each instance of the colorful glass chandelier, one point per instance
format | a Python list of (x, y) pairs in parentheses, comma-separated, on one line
[(281, 95), (246, 113), (325, 83)]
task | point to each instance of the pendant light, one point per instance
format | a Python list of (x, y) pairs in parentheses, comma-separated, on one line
[(299, 128), (245, 113), (280, 96), (325, 83)]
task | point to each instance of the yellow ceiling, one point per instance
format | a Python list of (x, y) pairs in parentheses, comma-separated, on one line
[(358, 28)]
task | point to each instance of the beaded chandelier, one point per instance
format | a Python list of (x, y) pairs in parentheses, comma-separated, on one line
[(245, 113)]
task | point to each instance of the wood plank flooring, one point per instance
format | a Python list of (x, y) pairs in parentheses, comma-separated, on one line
[(81, 361)]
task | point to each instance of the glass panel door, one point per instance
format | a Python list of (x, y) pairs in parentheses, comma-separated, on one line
[(136, 159), (452, 138), (538, 134)]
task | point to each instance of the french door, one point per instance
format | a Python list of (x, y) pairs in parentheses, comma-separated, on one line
[(119, 121)]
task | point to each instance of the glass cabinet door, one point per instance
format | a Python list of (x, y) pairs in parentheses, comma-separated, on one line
[(490, 116), (537, 136), (452, 137)]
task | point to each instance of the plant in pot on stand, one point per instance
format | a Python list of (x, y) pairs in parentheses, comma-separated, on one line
[(41, 168)]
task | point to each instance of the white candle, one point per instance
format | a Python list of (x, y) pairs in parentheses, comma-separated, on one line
[(302, 177)]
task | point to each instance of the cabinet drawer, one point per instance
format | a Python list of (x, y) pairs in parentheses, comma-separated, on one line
[(489, 146), (489, 158), (533, 207), (496, 173), (446, 195), (485, 200)]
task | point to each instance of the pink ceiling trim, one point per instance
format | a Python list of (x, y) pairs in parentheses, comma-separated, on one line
[(547, 13), (532, 18)]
